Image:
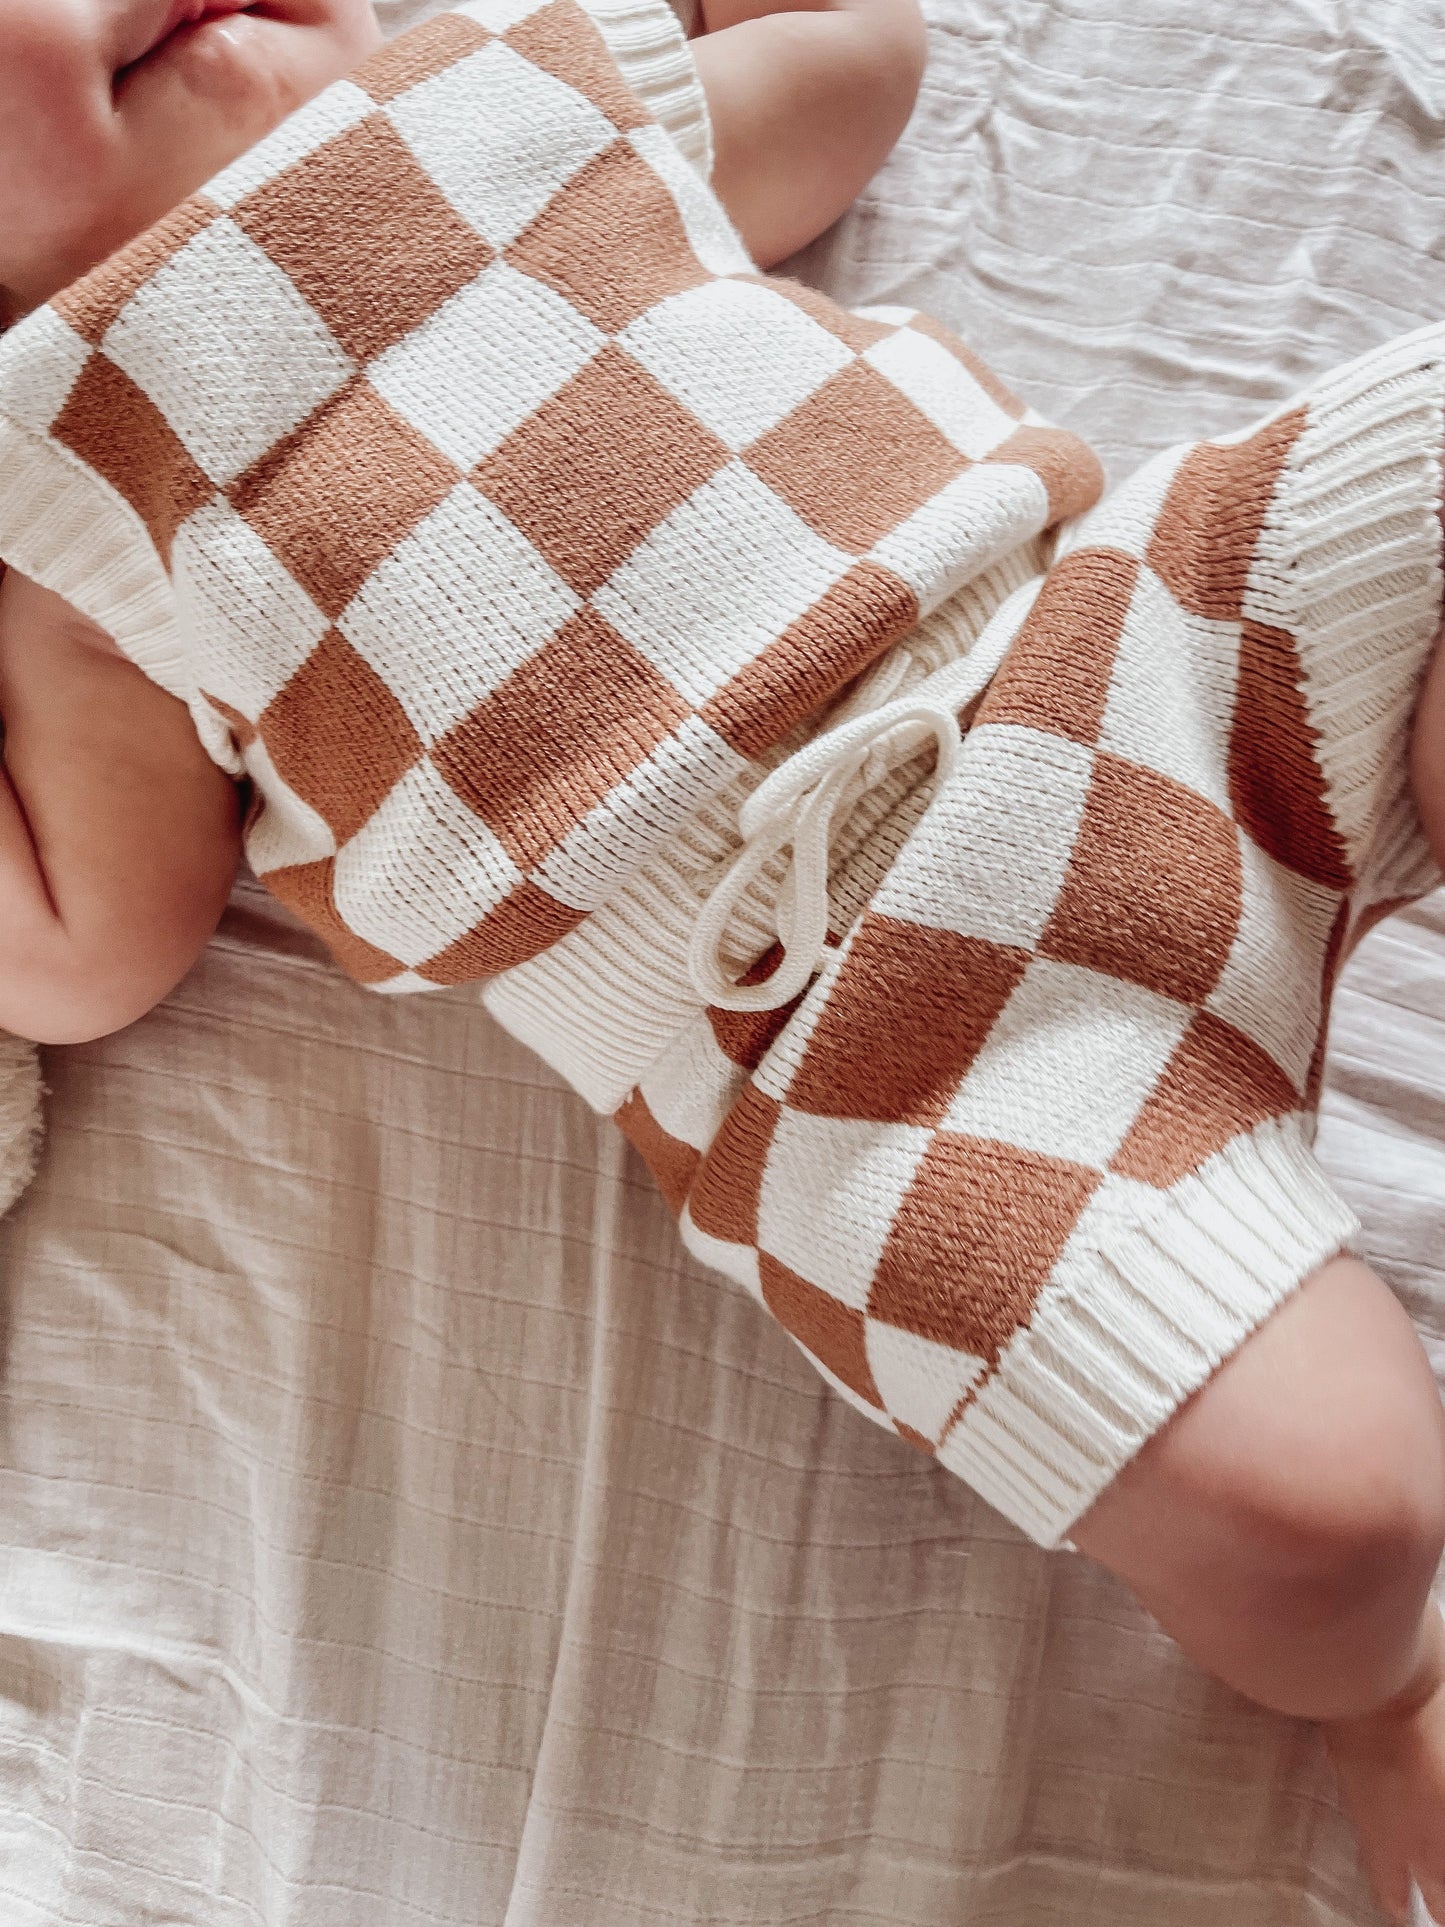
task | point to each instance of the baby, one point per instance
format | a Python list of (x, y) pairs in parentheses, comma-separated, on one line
[(515, 707)]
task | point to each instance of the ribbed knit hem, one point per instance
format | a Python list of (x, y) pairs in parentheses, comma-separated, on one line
[(72, 534), (66, 529), (1126, 1330), (646, 39), (1348, 561)]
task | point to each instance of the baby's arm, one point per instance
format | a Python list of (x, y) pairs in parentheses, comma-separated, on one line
[(119, 837), (805, 105)]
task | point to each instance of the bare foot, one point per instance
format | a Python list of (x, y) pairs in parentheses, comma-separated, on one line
[(1391, 1769)]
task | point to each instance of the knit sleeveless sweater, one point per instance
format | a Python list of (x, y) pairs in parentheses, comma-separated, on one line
[(549, 573), (450, 458)]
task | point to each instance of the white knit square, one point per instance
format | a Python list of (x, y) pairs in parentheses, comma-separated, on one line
[(710, 234), (1110, 1213), (692, 1086), (200, 339), (717, 580), (320, 120), (1270, 984), (454, 609), (617, 835), (738, 1262), (940, 387), (1000, 506), (45, 363), (1171, 693), (287, 831), (739, 355), (486, 360), (1068, 1064), (989, 858), (259, 623), (422, 871), (500, 16), (831, 1190), (919, 1380), (1126, 518), (404, 983), (499, 137)]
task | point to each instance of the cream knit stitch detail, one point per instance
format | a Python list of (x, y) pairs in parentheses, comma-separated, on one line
[(1349, 560), (646, 40)]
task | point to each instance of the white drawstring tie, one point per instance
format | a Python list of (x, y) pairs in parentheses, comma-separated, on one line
[(798, 804)]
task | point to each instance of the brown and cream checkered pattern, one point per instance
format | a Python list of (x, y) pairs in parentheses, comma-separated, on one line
[(507, 520), (1100, 962), (510, 513)]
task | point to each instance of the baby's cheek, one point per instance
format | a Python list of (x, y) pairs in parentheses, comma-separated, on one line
[(89, 159), (58, 163)]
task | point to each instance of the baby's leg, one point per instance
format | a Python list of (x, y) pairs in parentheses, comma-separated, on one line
[(1286, 1525), (1285, 1528)]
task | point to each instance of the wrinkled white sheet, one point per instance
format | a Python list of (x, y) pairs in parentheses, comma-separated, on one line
[(397, 1531)]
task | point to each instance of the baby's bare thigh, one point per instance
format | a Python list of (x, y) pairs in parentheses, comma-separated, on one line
[(1320, 1442)]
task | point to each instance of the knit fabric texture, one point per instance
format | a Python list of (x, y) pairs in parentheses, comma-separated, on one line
[(489, 508), (1030, 1158), (508, 530)]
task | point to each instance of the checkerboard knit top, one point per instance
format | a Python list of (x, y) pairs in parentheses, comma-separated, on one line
[(450, 458), (551, 574)]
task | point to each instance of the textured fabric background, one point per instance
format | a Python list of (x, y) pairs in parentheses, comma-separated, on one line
[(398, 1532)]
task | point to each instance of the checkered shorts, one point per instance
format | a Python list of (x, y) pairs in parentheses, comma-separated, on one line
[(1030, 1156)]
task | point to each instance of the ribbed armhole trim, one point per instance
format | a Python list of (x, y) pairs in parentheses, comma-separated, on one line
[(73, 534), (1125, 1331), (1348, 561), (70, 533), (646, 40)]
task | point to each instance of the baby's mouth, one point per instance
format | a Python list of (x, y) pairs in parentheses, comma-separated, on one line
[(171, 20)]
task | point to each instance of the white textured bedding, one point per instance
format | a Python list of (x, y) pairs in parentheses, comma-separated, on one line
[(397, 1531)]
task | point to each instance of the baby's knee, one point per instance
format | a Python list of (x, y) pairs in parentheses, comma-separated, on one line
[(1335, 1406), (1312, 1463)]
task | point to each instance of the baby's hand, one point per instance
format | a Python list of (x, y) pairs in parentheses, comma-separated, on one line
[(1391, 1768)]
